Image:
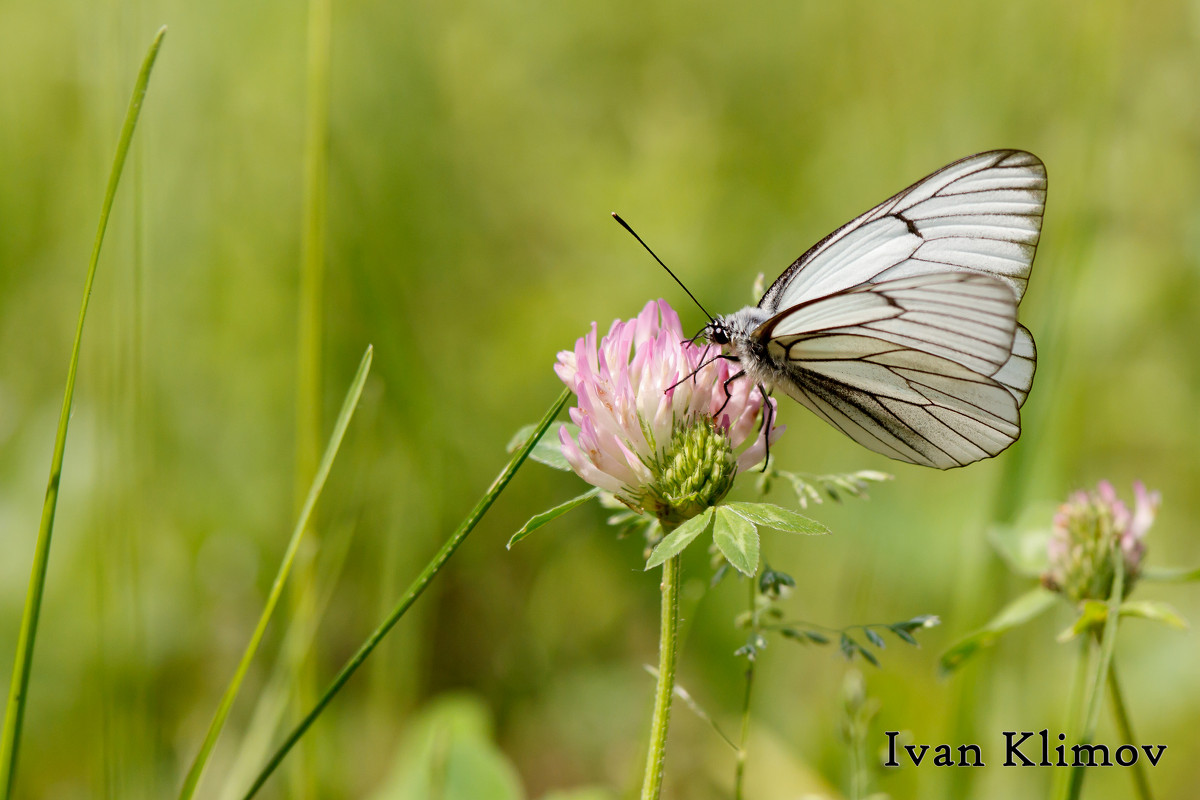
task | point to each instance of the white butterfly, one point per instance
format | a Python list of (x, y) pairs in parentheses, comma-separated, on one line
[(900, 328)]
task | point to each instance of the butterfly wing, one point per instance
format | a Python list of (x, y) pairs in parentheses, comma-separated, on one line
[(980, 214), (930, 369), (1017, 373)]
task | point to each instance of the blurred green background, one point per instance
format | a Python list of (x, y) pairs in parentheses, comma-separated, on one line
[(475, 150)]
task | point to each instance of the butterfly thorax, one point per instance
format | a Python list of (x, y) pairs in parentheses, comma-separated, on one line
[(737, 335)]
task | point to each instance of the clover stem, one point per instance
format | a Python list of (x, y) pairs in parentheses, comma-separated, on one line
[(668, 636)]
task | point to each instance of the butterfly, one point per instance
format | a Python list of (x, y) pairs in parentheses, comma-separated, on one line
[(900, 328)]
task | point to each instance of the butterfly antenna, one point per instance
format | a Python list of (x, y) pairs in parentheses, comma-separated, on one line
[(625, 225)]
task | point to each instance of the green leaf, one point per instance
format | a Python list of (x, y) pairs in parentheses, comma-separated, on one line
[(538, 520), (737, 539), (547, 451), (1091, 615), (1153, 610), (874, 638), (777, 517), (904, 635), (1016, 613), (1095, 613), (1170, 575), (449, 752), (674, 542), (867, 654)]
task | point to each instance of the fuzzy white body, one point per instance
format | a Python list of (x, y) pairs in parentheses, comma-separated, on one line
[(752, 354)]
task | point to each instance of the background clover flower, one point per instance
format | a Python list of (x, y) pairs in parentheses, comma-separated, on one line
[(668, 449), (1086, 528)]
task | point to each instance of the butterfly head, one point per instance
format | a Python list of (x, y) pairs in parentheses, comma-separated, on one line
[(717, 332), (734, 328)]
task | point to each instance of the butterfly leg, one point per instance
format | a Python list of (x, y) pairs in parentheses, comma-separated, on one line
[(725, 386), (692, 375), (768, 420)]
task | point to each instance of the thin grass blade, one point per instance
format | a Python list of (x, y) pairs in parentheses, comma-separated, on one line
[(14, 714), (318, 483), (414, 591)]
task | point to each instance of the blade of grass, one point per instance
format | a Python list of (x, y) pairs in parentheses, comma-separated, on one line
[(314, 491), (14, 714), (275, 696), (415, 590)]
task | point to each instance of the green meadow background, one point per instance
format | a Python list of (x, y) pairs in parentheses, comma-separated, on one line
[(475, 150)]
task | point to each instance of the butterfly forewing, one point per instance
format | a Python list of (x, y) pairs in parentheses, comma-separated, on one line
[(981, 214)]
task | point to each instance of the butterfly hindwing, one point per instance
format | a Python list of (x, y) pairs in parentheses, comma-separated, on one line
[(1017, 373), (921, 369), (926, 433)]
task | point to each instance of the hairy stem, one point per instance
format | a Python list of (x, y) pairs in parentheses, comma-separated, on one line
[(652, 783)]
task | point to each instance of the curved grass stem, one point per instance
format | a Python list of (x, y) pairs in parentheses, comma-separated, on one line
[(14, 714), (318, 483), (414, 591)]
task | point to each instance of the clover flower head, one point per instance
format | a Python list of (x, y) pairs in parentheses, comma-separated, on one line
[(658, 426), (1086, 528)]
